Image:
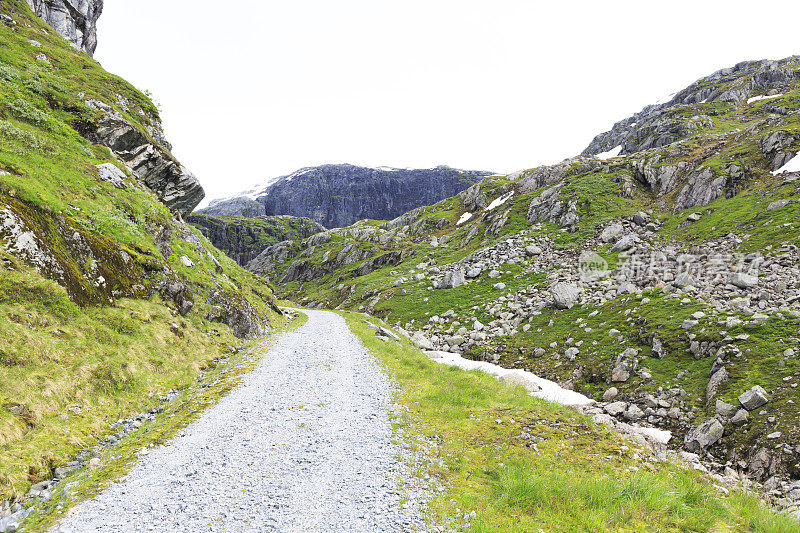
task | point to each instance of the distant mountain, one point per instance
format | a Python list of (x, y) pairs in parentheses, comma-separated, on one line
[(339, 195)]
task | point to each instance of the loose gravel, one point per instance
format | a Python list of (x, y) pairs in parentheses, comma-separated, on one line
[(304, 443)]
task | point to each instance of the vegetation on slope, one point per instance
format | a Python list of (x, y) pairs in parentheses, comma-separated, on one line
[(520, 463), (107, 299)]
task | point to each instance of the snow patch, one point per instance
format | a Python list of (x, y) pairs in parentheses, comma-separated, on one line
[(464, 218), (550, 390), (497, 202), (793, 165), (762, 97), (614, 152)]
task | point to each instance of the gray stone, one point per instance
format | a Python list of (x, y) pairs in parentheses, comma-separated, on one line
[(452, 280), (571, 353), (111, 173), (744, 281), (725, 409), (625, 243), (473, 272), (610, 394), (75, 20), (753, 398), (532, 250), (611, 233), (704, 436), (641, 218), (422, 342), (683, 280), (499, 286), (626, 365), (779, 204), (634, 413), (616, 408), (565, 295)]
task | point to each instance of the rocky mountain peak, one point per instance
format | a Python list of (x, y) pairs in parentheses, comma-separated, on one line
[(692, 109), (75, 20), (341, 194)]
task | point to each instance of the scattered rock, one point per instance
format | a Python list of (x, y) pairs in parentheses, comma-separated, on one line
[(565, 295), (703, 436), (754, 398)]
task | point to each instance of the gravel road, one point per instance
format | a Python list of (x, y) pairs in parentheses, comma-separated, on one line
[(304, 443)]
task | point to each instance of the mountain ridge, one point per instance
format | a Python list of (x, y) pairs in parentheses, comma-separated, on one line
[(339, 194)]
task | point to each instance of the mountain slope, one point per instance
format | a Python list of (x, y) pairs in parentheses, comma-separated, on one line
[(662, 282), (338, 195), (243, 239), (108, 299)]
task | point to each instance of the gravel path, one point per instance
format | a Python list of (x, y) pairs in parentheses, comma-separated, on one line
[(303, 444)]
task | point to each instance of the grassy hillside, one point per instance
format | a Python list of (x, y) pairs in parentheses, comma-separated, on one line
[(682, 252), (107, 298)]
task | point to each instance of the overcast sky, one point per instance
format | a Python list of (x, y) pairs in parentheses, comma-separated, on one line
[(258, 88)]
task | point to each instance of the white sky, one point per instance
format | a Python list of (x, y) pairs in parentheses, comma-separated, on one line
[(259, 88)]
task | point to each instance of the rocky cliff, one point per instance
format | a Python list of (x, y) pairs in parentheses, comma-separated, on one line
[(243, 239), (75, 20), (338, 195)]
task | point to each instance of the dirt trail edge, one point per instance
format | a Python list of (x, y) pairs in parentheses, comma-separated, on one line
[(304, 443)]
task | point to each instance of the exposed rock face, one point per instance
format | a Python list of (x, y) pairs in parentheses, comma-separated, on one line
[(339, 195), (175, 186), (243, 239), (76, 20)]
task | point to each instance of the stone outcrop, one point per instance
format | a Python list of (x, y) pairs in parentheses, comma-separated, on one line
[(338, 195), (175, 186), (75, 20)]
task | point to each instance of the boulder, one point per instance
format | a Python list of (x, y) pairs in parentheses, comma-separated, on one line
[(683, 280), (626, 365), (571, 353), (611, 233), (452, 280), (744, 281), (565, 295), (616, 408), (725, 409), (625, 243), (533, 250), (111, 173), (422, 342), (610, 394), (753, 398), (704, 436), (740, 418)]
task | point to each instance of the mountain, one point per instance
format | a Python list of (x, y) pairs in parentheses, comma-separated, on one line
[(108, 299), (656, 273), (243, 239), (338, 195)]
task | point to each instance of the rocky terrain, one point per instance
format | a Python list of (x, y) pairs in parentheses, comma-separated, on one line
[(656, 273), (75, 20), (339, 195), (243, 239)]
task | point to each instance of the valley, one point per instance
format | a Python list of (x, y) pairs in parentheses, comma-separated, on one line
[(609, 343)]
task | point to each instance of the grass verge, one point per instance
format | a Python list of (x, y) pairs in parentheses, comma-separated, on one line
[(524, 464)]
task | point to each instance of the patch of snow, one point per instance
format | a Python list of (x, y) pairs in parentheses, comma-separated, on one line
[(793, 165), (497, 202), (550, 390), (614, 152), (762, 97), (464, 218)]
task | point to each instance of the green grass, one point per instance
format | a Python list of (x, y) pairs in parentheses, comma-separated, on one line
[(522, 464)]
